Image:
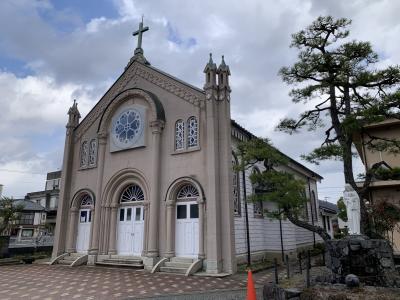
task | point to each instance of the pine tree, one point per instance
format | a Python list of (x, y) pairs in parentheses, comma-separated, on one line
[(338, 79)]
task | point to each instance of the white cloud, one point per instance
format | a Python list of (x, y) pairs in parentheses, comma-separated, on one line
[(83, 62)]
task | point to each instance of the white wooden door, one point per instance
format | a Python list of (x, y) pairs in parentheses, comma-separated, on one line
[(187, 229), (130, 230), (82, 240)]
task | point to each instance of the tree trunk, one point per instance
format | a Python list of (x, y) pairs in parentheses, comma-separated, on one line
[(318, 230)]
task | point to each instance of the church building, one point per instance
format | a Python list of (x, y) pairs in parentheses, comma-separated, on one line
[(147, 179)]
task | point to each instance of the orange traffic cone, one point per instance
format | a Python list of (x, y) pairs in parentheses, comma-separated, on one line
[(251, 290)]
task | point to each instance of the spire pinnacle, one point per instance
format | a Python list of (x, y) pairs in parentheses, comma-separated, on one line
[(210, 65), (223, 66)]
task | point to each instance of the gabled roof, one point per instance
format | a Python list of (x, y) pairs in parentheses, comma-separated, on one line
[(328, 206), (250, 135), (29, 205)]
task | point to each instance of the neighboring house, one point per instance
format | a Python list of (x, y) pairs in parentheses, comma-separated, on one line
[(48, 198), (382, 188), (147, 174), (328, 213), (32, 220)]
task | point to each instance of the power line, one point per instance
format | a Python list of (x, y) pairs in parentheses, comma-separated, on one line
[(23, 172)]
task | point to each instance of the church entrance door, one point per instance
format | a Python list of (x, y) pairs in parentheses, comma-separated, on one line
[(130, 230), (187, 229), (82, 240)]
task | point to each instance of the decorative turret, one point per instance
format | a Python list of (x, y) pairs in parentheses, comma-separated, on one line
[(211, 74), (223, 76), (73, 115), (223, 80)]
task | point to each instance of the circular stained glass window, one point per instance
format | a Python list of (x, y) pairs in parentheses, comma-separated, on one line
[(127, 127)]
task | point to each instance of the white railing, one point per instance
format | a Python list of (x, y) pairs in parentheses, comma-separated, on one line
[(40, 241)]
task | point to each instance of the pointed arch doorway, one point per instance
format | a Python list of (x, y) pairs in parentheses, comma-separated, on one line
[(131, 221)]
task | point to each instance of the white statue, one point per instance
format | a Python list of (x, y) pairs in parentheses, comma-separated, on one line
[(352, 202)]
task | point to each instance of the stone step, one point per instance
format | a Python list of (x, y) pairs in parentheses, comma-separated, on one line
[(74, 254), (70, 258), (121, 257), (173, 270), (64, 262), (123, 261), (120, 264), (185, 260), (177, 264)]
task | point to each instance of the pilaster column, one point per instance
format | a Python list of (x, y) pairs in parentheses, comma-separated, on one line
[(146, 226), (94, 241), (152, 251), (169, 251), (113, 230), (201, 228), (71, 237)]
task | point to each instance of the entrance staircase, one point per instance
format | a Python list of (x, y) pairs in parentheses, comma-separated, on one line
[(71, 259), (122, 261), (181, 265)]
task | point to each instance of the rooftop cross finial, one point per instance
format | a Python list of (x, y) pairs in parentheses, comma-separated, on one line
[(139, 33)]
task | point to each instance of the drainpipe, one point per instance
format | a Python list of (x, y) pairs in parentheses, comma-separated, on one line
[(311, 205), (247, 220)]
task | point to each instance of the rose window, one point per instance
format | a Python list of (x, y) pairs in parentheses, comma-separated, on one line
[(128, 126)]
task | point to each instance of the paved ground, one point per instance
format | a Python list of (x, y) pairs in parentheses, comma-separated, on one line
[(85, 282)]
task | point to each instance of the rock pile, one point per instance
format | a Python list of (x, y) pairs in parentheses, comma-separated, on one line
[(370, 259)]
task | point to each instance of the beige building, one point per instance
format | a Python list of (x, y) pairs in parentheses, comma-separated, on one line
[(386, 189), (148, 181)]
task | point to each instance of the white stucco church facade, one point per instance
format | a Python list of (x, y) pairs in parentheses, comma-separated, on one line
[(148, 175)]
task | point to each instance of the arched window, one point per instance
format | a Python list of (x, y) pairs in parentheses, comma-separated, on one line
[(86, 200), (314, 204), (179, 135), (257, 205), (192, 138), (235, 185), (84, 154), (92, 152), (132, 193), (186, 192)]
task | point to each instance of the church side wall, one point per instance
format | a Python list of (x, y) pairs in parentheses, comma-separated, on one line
[(265, 232)]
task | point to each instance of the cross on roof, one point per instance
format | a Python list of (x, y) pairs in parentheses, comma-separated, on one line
[(139, 33)]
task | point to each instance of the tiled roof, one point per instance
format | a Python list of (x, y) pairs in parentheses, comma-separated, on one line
[(29, 205), (328, 206)]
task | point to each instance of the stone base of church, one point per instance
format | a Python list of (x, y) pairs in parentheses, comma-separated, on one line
[(213, 266), (150, 262), (92, 258)]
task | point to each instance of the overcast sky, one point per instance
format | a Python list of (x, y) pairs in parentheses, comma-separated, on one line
[(52, 52)]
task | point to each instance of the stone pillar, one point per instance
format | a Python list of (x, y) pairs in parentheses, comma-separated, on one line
[(155, 199), (201, 228), (146, 227), (71, 237), (113, 230), (169, 251), (94, 241)]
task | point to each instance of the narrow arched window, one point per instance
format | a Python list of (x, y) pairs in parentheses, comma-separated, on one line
[(257, 205), (235, 187), (132, 193), (92, 152), (314, 204), (84, 154), (192, 139), (179, 135)]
